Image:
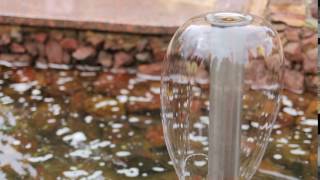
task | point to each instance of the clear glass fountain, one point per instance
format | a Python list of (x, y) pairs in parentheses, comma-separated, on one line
[(220, 95)]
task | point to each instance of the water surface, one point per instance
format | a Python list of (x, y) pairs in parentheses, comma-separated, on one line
[(68, 124)]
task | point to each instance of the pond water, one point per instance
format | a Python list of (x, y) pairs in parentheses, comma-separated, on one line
[(69, 124)]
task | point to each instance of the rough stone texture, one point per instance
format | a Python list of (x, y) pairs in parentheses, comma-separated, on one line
[(294, 81), (150, 69), (40, 37), (95, 39), (69, 44), (105, 59), (312, 83), (17, 48), (83, 53), (310, 61), (32, 48), (5, 39), (121, 59), (293, 51), (143, 57), (54, 53)]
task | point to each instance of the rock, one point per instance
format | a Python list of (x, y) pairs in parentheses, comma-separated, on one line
[(158, 47), (113, 42), (314, 9), (66, 58), (28, 143), (293, 14), (8, 57), (32, 48), (83, 53), (5, 39), (293, 51), (24, 75), (258, 75), (312, 83), (150, 69), (136, 106), (139, 89), (297, 66), (41, 63), (104, 106), (307, 32), (155, 136), (120, 42), (111, 83), (285, 120), (95, 39), (142, 44), (77, 97), (310, 61), (289, 19), (310, 42), (279, 27), (17, 60), (56, 35), (196, 104), (69, 43), (105, 59), (17, 48), (159, 55), (40, 37), (143, 57), (311, 110), (39, 119), (16, 34), (292, 34), (41, 50), (130, 42), (273, 62), (54, 52), (25, 59), (122, 59), (283, 38), (293, 81)]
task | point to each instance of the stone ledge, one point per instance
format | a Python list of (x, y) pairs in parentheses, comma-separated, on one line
[(138, 16), (85, 25)]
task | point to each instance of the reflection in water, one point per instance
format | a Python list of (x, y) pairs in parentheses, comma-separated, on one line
[(68, 124)]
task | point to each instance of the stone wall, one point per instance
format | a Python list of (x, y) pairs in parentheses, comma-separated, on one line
[(49, 47), (88, 50)]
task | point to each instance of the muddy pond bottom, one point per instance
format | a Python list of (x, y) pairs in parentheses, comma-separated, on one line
[(70, 124)]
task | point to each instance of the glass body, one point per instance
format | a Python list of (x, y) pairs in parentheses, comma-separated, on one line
[(220, 95)]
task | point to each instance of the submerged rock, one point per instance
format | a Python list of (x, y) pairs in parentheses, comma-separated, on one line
[(155, 136), (104, 106), (111, 83)]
